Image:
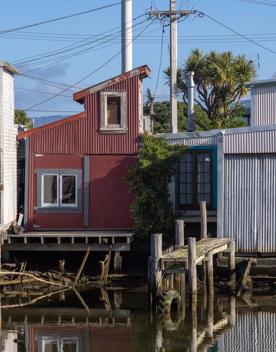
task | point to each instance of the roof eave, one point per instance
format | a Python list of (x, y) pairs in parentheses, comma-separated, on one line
[(142, 71)]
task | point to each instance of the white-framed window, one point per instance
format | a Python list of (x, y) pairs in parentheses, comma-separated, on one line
[(113, 111), (59, 344), (59, 189)]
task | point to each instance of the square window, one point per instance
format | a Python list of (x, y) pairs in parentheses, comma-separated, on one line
[(50, 190), (59, 190)]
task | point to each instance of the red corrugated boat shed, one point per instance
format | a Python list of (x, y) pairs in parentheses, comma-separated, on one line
[(93, 156)]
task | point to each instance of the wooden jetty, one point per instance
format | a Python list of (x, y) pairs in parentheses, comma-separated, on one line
[(182, 258)]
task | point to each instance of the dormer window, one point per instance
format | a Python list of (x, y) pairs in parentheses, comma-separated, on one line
[(113, 112)]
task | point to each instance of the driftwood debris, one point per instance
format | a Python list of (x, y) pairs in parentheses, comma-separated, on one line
[(105, 264)]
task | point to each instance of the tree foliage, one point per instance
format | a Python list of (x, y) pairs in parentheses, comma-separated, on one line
[(21, 118), (149, 181), (220, 84)]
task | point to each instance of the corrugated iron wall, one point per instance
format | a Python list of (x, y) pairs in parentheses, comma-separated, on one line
[(263, 105), (250, 201), (253, 332), (250, 142), (83, 137)]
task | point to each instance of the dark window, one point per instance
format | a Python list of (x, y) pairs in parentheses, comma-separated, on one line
[(195, 179), (68, 189), (113, 110), (50, 190)]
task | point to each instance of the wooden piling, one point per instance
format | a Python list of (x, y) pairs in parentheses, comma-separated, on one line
[(118, 260), (232, 264), (156, 254), (192, 264), (203, 219), (179, 233), (210, 275)]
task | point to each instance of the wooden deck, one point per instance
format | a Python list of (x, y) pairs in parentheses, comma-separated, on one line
[(204, 248), (69, 241)]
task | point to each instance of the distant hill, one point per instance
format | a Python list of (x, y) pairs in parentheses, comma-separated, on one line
[(43, 120)]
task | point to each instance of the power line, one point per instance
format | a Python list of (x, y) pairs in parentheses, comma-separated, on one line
[(260, 2), (59, 18), (68, 47), (76, 53), (160, 62), (237, 33), (88, 75), (41, 92)]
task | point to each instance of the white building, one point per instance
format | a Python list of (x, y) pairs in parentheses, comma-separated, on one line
[(8, 158)]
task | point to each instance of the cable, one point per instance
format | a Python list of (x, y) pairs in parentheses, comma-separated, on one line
[(88, 75), (109, 38), (59, 18), (160, 62), (41, 92), (259, 2), (237, 33), (67, 47)]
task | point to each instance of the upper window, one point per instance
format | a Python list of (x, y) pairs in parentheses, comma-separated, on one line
[(59, 189), (113, 111), (195, 179)]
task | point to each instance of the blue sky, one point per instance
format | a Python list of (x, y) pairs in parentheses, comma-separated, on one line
[(256, 21)]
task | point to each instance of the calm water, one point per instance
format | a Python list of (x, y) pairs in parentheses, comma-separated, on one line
[(120, 321)]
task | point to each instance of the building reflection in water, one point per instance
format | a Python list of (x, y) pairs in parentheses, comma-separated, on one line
[(122, 322)]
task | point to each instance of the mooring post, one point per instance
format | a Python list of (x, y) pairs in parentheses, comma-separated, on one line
[(156, 254), (192, 264), (232, 316), (193, 347), (210, 274), (232, 263), (203, 219), (179, 233), (118, 261)]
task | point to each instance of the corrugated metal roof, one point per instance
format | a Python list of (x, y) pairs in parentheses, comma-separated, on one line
[(142, 72)]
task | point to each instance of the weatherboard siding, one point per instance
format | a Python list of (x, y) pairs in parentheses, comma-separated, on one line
[(9, 153)]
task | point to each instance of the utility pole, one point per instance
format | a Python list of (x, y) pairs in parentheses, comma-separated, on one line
[(173, 66), (174, 15), (126, 17)]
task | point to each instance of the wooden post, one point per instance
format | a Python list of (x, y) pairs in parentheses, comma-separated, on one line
[(203, 219), (232, 317), (232, 263), (193, 347), (210, 275), (156, 254), (192, 264), (179, 233), (117, 263)]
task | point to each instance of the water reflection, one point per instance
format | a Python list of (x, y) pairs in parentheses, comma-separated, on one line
[(120, 320)]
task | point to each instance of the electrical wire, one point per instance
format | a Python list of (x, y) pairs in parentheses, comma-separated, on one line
[(87, 76), (68, 47), (41, 92), (160, 62), (77, 53), (259, 2), (237, 33), (59, 18)]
